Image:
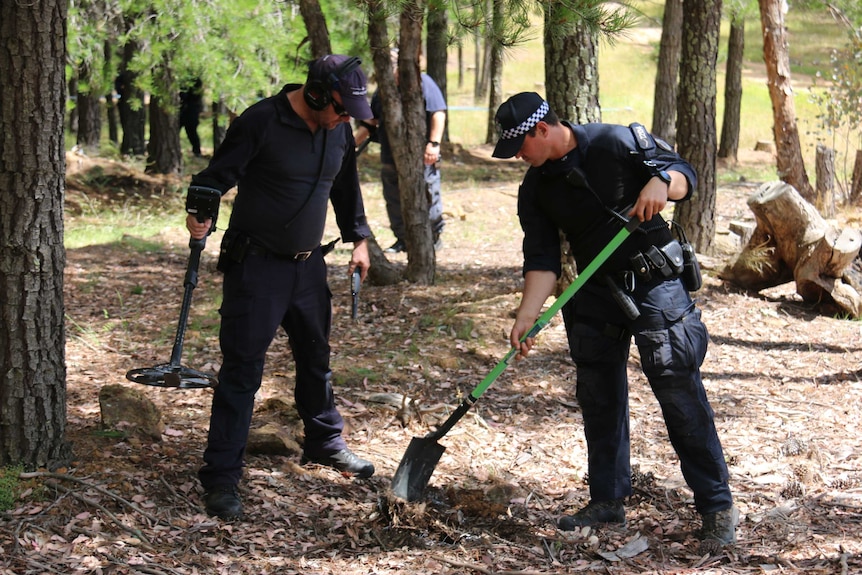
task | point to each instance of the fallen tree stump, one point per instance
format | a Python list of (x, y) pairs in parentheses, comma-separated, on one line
[(792, 242)]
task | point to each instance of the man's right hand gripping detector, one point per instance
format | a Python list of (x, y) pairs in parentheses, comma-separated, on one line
[(203, 203)]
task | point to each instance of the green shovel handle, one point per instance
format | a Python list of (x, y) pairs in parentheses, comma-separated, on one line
[(567, 294)]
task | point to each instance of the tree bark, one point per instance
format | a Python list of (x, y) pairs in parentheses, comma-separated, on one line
[(776, 55), (436, 49), (825, 171), (696, 135), (792, 242), (856, 184), (32, 257), (664, 100), (572, 90), (571, 66), (110, 105), (165, 154), (315, 26), (133, 113), (729, 145), (89, 108), (495, 67), (219, 115), (404, 119)]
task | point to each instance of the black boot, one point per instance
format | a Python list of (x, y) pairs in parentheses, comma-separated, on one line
[(595, 512), (719, 528), (396, 248), (223, 501), (345, 461)]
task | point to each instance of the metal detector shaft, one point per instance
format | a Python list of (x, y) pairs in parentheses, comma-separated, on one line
[(189, 284), (543, 320)]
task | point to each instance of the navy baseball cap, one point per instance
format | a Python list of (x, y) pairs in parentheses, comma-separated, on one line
[(348, 80), (515, 117)]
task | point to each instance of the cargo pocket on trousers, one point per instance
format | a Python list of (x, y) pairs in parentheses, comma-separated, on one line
[(655, 351)]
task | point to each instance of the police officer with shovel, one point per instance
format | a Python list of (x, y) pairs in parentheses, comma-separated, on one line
[(583, 180)]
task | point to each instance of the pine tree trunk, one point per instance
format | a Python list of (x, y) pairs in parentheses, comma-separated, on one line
[(133, 113), (572, 85), (776, 54), (165, 154), (729, 145), (571, 67), (315, 26), (110, 104), (437, 49), (495, 74), (664, 99), (89, 109), (32, 257), (696, 137), (404, 119), (219, 115)]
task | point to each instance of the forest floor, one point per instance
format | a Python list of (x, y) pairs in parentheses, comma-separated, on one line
[(783, 378)]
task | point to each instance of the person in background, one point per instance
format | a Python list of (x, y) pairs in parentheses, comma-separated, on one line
[(191, 106), (289, 155), (435, 119), (584, 180)]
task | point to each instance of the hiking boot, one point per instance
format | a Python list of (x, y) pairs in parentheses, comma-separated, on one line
[(719, 527), (594, 513), (345, 461), (223, 501), (396, 248)]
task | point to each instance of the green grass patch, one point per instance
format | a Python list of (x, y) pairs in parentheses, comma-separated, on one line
[(10, 486)]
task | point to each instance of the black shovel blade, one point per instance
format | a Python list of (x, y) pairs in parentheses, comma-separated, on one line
[(416, 468)]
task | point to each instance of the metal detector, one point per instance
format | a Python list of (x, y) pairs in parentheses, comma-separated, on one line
[(174, 374)]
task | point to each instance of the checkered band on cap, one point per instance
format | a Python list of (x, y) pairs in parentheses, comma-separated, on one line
[(527, 124)]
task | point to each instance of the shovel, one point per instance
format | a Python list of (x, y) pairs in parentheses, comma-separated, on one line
[(423, 453), (174, 374)]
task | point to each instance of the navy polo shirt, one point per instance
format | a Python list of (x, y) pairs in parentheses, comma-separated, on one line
[(434, 102), (285, 176)]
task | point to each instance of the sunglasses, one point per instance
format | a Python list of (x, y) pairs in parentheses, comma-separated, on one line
[(339, 109)]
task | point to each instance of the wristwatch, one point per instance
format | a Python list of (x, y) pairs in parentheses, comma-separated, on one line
[(433, 143), (664, 177)]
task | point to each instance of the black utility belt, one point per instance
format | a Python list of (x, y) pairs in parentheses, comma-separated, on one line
[(236, 246), (658, 262), (256, 250)]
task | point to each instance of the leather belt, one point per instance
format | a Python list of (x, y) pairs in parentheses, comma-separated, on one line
[(262, 251)]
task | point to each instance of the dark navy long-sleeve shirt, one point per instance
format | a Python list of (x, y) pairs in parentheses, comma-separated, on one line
[(285, 175), (608, 156)]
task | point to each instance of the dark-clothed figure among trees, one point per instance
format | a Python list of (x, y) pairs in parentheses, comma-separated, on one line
[(585, 180), (375, 129), (289, 156), (191, 106)]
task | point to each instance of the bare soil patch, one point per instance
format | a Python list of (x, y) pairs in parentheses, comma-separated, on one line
[(783, 379)]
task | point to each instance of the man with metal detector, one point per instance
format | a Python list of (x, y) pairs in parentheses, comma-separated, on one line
[(586, 181), (289, 155)]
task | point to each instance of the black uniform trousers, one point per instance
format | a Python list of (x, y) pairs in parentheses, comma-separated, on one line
[(672, 342), (262, 293)]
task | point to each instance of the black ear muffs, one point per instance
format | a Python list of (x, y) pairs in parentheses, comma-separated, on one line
[(318, 91)]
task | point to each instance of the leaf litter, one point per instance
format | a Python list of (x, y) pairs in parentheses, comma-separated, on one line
[(782, 377)]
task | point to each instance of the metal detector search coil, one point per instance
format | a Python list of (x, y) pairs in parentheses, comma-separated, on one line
[(173, 374)]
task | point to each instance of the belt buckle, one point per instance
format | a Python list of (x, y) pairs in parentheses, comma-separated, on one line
[(302, 256)]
